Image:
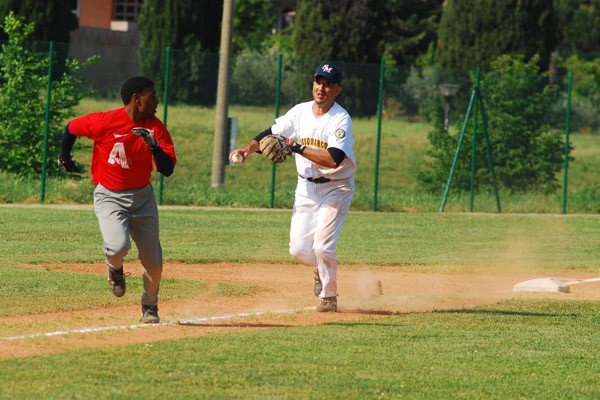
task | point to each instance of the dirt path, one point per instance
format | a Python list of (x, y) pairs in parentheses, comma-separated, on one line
[(288, 302)]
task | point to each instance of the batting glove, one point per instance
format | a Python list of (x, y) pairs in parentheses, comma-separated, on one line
[(68, 164), (146, 136)]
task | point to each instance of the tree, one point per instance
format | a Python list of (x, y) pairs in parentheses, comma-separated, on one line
[(409, 30), (181, 24), (52, 19), (363, 31), (192, 27), (527, 154), (579, 27), (23, 80), (344, 30), (476, 32), (253, 23)]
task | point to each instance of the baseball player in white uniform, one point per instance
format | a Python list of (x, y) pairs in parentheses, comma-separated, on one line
[(319, 133)]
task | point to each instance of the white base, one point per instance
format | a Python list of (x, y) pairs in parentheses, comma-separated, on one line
[(542, 285)]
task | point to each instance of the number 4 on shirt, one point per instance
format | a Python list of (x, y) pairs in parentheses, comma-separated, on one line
[(118, 156)]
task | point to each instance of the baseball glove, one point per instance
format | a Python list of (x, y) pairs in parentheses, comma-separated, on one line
[(275, 148)]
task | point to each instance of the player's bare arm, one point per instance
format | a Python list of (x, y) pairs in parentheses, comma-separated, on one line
[(250, 148)]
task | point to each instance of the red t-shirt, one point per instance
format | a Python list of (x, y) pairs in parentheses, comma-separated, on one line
[(120, 159)]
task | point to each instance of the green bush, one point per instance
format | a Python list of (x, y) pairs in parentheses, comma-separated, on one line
[(254, 78), (421, 95), (527, 155), (23, 83), (585, 94), (584, 115)]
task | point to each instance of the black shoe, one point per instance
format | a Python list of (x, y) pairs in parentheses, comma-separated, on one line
[(116, 281), (150, 314), (328, 304), (318, 285)]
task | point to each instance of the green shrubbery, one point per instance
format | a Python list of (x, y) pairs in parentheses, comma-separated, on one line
[(527, 153), (586, 92), (253, 81), (23, 80)]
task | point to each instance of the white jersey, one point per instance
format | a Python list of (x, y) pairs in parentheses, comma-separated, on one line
[(333, 129)]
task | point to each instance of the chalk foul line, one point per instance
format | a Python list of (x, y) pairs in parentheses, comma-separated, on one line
[(190, 321)]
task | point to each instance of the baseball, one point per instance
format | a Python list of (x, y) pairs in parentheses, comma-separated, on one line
[(237, 158)]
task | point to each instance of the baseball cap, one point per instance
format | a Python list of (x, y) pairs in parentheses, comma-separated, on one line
[(331, 72)]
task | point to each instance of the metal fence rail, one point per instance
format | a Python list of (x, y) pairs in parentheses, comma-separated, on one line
[(381, 98)]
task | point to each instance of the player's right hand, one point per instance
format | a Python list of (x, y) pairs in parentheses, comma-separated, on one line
[(146, 136), (68, 164)]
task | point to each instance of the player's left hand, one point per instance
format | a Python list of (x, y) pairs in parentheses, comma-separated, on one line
[(146, 136), (275, 148), (68, 164)]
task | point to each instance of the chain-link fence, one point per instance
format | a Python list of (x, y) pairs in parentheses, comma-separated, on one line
[(407, 123)]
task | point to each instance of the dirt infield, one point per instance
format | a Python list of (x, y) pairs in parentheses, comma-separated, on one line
[(287, 302)]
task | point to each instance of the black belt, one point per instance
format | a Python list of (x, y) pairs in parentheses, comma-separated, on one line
[(317, 180)]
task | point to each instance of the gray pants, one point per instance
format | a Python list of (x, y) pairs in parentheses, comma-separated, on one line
[(131, 212)]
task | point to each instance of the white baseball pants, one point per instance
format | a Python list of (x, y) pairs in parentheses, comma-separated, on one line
[(317, 219)]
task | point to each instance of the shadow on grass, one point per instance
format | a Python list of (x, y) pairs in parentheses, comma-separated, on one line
[(372, 312), (498, 312), (238, 325), (453, 311)]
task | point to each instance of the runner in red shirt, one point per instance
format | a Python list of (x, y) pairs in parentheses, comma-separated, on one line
[(127, 142)]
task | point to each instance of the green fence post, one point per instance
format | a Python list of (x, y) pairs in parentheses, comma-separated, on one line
[(277, 97), (458, 147), (47, 122), (161, 178), (567, 132), (489, 153), (474, 143), (379, 116)]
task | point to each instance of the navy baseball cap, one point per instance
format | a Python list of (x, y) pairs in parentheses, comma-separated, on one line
[(331, 72)]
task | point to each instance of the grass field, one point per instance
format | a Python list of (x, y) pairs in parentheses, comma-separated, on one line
[(535, 347), (403, 149)]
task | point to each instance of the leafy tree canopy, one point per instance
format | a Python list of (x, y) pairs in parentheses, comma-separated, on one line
[(52, 19), (253, 23), (23, 83), (410, 30), (181, 24), (364, 30), (579, 27), (331, 30), (527, 153), (476, 32)]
